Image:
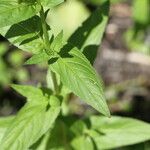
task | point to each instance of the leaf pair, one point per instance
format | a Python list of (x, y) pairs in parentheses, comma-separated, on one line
[(55, 47), (109, 133), (34, 120), (95, 133)]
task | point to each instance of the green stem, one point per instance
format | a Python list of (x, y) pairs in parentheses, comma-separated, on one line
[(47, 47), (54, 79), (44, 27)]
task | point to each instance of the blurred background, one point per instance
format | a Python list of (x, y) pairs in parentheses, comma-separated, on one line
[(123, 59)]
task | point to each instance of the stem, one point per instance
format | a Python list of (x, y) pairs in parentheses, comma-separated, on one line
[(47, 47), (54, 79), (44, 27)]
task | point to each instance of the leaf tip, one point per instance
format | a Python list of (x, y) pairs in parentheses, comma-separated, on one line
[(107, 114), (27, 63)]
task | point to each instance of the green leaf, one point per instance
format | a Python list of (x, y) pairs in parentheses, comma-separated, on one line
[(78, 128), (54, 101), (25, 35), (40, 110), (49, 80), (4, 123), (11, 12), (32, 93), (51, 3), (42, 143), (57, 44), (82, 143), (31, 123), (38, 58), (88, 37), (50, 118), (24, 130), (59, 138), (78, 75), (117, 131)]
